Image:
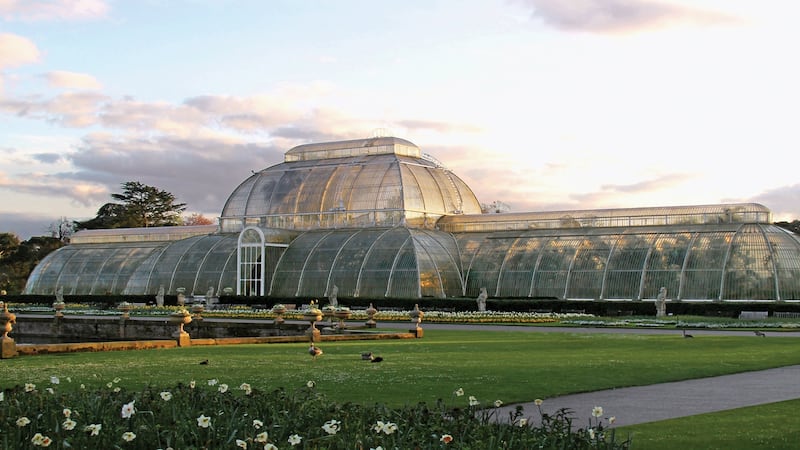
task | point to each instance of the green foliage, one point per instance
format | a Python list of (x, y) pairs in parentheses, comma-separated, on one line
[(17, 259), (139, 205)]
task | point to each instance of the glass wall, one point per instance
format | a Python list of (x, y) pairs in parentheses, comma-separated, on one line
[(707, 262)]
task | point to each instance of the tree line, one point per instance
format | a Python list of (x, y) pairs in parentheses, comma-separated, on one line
[(137, 206)]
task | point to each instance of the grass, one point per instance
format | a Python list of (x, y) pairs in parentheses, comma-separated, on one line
[(764, 427), (510, 366)]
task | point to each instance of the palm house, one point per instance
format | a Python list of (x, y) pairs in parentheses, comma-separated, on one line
[(377, 218)]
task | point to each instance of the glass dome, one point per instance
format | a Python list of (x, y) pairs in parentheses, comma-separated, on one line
[(360, 183)]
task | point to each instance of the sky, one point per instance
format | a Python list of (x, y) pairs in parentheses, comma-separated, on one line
[(542, 105)]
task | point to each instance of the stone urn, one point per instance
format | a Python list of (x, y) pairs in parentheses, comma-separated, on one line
[(312, 315), (329, 311), (342, 313), (125, 307), (59, 307), (7, 320), (180, 317), (371, 311), (8, 348), (279, 310), (197, 311)]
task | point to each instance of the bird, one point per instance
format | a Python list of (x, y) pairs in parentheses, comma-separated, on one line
[(366, 356), (314, 351), (204, 362), (759, 333), (687, 335), (375, 359)]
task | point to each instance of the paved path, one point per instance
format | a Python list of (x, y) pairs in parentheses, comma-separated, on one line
[(663, 401)]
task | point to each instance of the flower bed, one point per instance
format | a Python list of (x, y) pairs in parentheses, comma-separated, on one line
[(210, 414)]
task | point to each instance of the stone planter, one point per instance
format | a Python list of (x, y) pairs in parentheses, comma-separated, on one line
[(181, 317), (371, 311), (125, 307), (59, 308), (279, 310), (342, 314)]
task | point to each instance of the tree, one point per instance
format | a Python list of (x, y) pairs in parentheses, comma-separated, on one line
[(197, 219), (17, 261), (793, 226), (62, 229), (139, 206)]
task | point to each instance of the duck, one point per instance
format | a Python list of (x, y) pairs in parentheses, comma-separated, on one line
[(686, 335), (314, 351)]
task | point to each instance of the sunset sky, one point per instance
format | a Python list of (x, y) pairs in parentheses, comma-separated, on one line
[(541, 104)]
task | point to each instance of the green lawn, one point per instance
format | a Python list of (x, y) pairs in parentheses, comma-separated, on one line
[(764, 427), (510, 366)]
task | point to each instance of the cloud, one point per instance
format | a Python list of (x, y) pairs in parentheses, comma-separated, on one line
[(784, 202), (72, 80), (618, 16), (45, 10), (16, 50), (660, 183)]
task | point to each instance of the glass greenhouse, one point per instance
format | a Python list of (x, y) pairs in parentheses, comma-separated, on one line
[(377, 218)]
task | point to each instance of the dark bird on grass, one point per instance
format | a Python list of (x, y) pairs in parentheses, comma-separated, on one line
[(375, 359), (687, 335), (759, 333), (314, 351), (204, 362)]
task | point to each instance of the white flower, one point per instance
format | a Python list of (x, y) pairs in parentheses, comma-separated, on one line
[(117, 389), (203, 421), (67, 412), (522, 422), (262, 437), (241, 444), (128, 410), (128, 436), (213, 382), (384, 427), (459, 392), (30, 387), (50, 391), (246, 388), (310, 384), (331, 426), (40, 440), (117, 380), (166, 396), (93, 429), (597, 411), (2, 396), (591, 433), (295, 439), (23, 421), (473, 401), (270, 447), (192, 384), (257, 424), (612, 419), (538, 402), (498, 403), (83, 386), (69, 424), (54, 380), (223, 388), (109, 385)]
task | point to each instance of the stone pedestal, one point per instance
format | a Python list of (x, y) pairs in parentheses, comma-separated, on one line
[(9, 348)]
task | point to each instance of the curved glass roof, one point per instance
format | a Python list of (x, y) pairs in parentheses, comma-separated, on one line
[(374, 263), (696, 262), (378, 219), (361, 183)]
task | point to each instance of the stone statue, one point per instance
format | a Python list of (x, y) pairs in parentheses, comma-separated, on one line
[(60, 295), (661, 302), (209, 295), (160, 296), (482, 300), (332, 297)]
